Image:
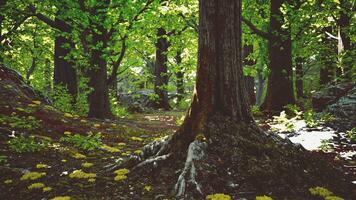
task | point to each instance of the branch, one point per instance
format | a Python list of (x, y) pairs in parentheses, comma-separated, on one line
[(173, 32), (56, 24), (190, 23), (14, 28), (123, 41), (332, 36), (117, 63), (255, 30)]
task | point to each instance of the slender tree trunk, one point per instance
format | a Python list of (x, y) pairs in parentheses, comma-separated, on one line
[(99, 104), (250, 80), (344, 23), (47, 73), (260, 87), (65, 73), (2, 4), (299, 77), (280, 78), (327, 57), (161, 76), (180, 77)]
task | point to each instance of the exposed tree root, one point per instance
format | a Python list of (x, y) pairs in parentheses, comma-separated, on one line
[(196, 151), (239, 158)]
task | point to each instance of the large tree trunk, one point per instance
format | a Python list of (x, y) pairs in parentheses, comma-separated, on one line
[(65, 74), (179, 77), (280, 78), (161, 76), (249, 80), (225, 150), (99, 104)]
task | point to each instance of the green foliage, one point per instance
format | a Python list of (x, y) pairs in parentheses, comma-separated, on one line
[(62, 100), (218, 196), (89, 142), (17, 122), (256, 112), (3, 159), (351, 134), (292, 110), (326, 145), (310, 118), (324, 193), (23, 144), (285, 123), (320, 191)]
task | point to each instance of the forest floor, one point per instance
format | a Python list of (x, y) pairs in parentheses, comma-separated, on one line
[(53, 167), (45, 153)]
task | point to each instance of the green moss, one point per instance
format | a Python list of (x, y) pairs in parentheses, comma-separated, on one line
[(122, 171), (147, 188), (41, 166), (79, 174), (138, 152), (121, 174), (61, 198), (8, 181), (137, 139), (91, 180), (320, 191), (36, 186), (32, 175), (120, 177), (218, 196), (87, 165), (78, 155), (263, 198), (46, 189), (110, 149), (333, 198)]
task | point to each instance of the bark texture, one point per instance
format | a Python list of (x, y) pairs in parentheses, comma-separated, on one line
[(99, 105), (249, 80), (179, 77), (161, 76), (327, 58), (280, 78)]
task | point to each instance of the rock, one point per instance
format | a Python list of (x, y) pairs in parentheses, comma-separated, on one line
[(345, 106), (330, 95), (136, 107), (12, 85)]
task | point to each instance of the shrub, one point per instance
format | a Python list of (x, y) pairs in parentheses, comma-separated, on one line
[(90, 142), (27, 144)]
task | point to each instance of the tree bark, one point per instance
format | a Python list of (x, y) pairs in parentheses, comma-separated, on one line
[(225, 150), (327, 57), (99, 104), (65, 74), (250, 80), (161, 76), (180, 77), (220, 86), (344, 24), (280, 78)]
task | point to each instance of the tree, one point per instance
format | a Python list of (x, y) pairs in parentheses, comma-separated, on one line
[(65, 73), (219, 136), (161, 73), (280, 77)]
